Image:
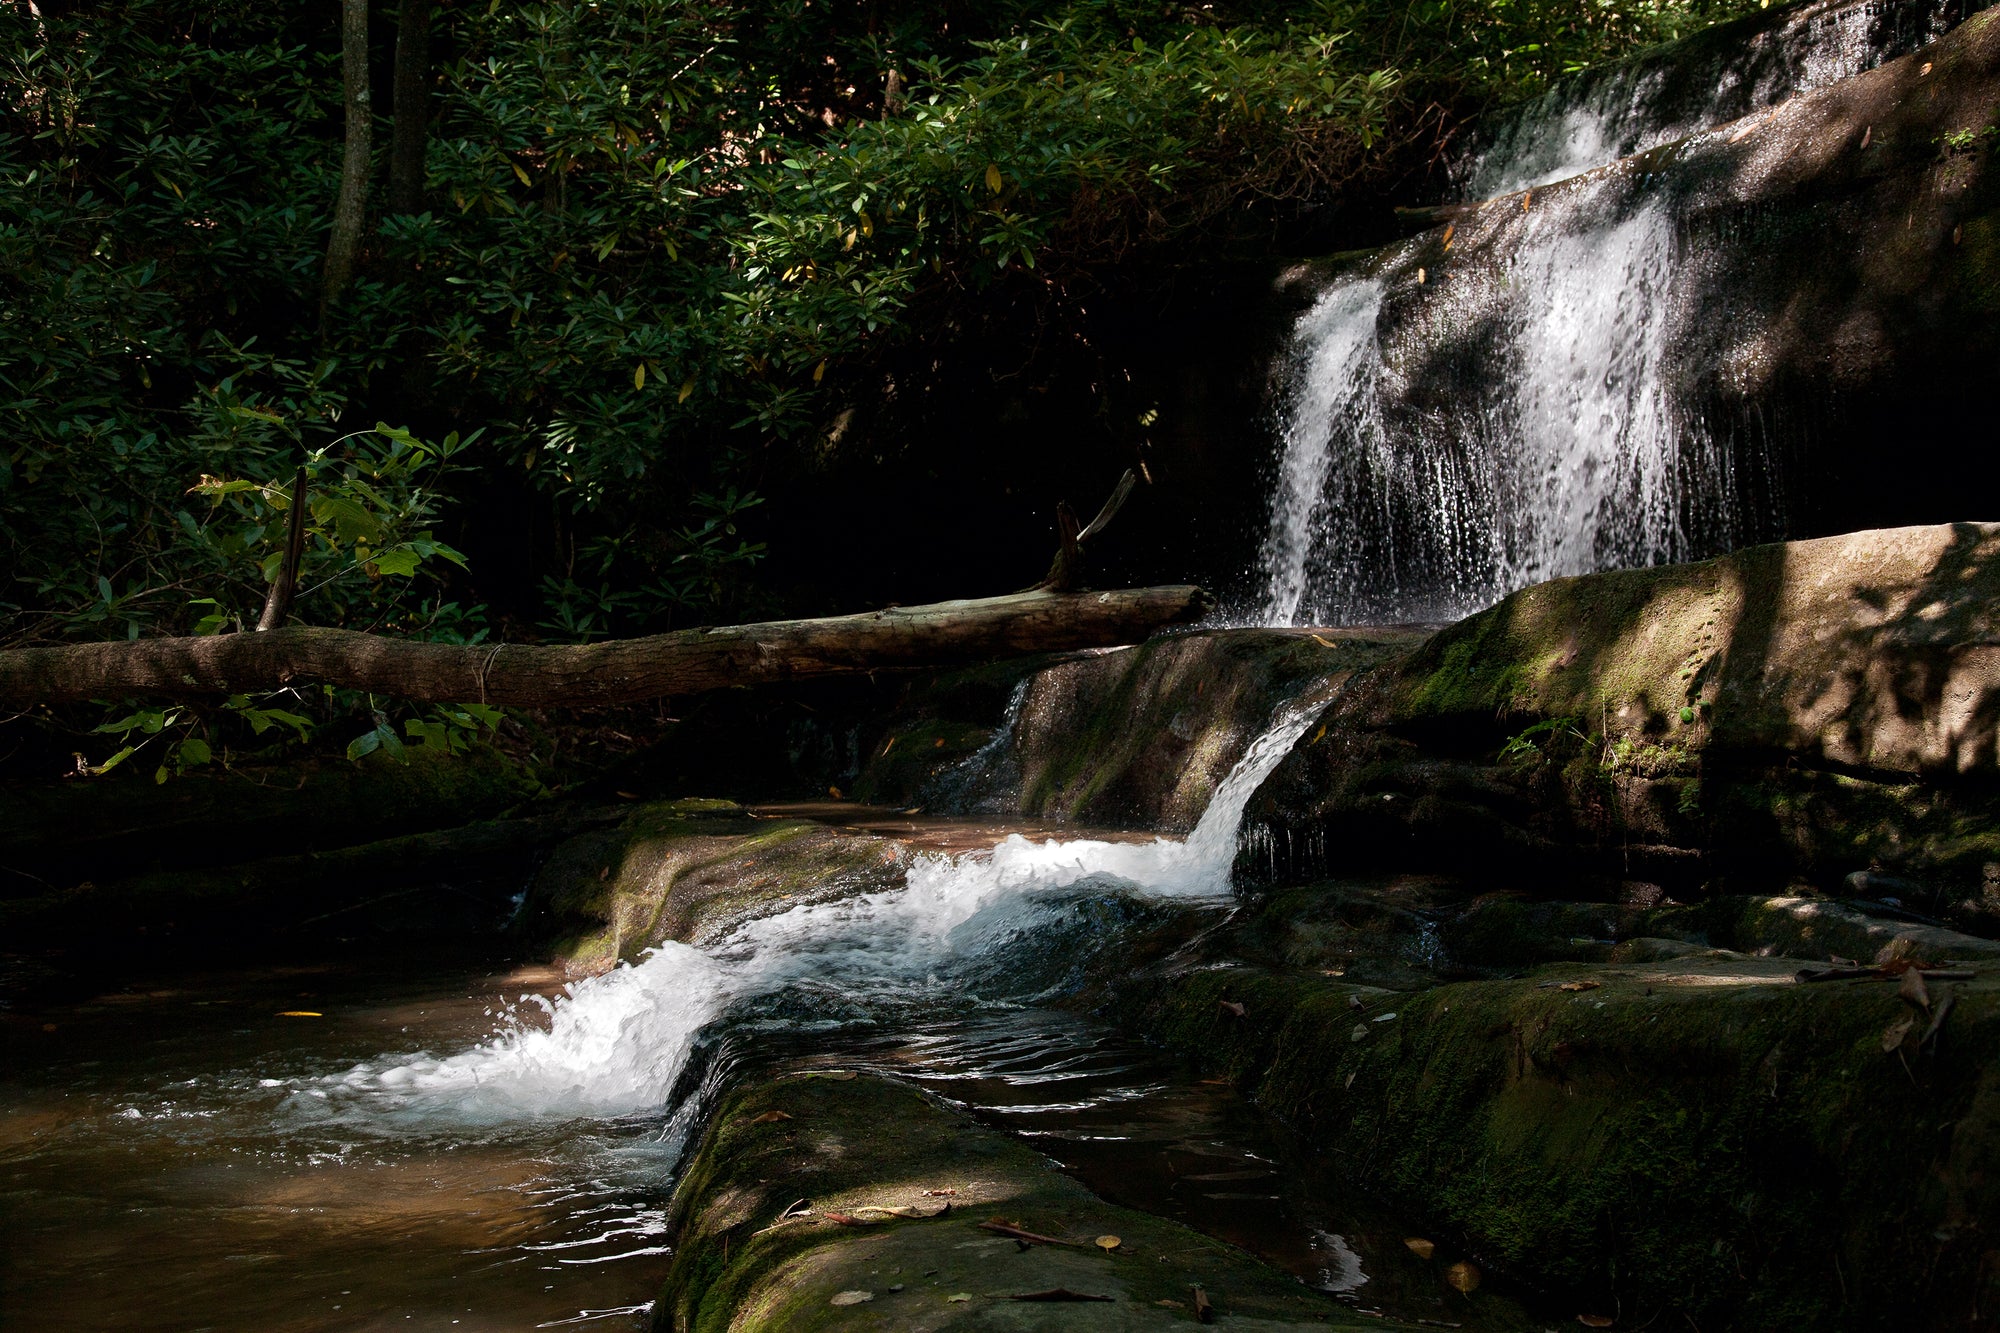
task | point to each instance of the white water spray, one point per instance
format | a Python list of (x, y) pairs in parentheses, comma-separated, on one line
[(1635, 105), (616, 1044), (1565, 452)]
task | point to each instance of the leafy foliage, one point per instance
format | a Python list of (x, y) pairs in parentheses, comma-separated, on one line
[(659, 239)]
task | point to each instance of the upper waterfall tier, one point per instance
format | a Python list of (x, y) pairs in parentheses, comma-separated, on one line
[(1719, 74), (1774, 327)]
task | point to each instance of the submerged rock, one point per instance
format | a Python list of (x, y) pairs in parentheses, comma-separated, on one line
[(826, 1199)]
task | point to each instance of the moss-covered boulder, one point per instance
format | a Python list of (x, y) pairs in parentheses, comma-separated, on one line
[(691, 870), (1807, 709), (823, 1199), (1703, 1136)]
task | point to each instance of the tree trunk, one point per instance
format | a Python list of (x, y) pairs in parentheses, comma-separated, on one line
[(412, 107), (353, 200), (587, 675)]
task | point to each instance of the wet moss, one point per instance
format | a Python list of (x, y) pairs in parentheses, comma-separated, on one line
[(1701, 1135), (859, 1146), (914, 754)]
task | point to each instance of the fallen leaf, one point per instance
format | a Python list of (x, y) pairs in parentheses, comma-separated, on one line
[(959, 1296), (1233, 1007), (1171, 1305), (941, 1194), (1057, 1294), (769, 1118), (1581, 985), (1385, 1018), (1462, 1277), (1937, 1019), (301, 1013), (851, 1297), (1360, 1032), (1420, 1247), (1914, 991), (1108, 1243), (1354, 1002), (1595, 1320), (847, 1219), (1892, 1036)]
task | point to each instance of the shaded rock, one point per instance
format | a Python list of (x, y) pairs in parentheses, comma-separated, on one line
[(1131, 737), (54, 834), (1702, 1135), (1790, 709), (458, 882), (691, 870), (758, 1247)]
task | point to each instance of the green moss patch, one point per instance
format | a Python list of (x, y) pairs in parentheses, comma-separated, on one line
[(760, 1244)]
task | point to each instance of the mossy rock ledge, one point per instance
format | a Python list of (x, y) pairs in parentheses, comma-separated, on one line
[(761, 1244), (1803, 712), (1702, 1136), (691, 870), (1129, 737)]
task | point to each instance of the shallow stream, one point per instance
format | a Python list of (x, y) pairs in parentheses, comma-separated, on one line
[(437, 1143)]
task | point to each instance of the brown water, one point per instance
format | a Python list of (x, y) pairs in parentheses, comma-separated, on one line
[(160, 1165), (306, 1148)]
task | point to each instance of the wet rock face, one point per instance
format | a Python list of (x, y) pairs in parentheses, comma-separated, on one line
[(826, 1199), (1774, 327), (690, 870), (1813, 708), (1702, 1134), (1718, 74), (1135, 737)]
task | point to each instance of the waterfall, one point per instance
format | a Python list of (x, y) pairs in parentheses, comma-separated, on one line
[(1527, 427), (963, 929), (1567, 378), (1686, 86)]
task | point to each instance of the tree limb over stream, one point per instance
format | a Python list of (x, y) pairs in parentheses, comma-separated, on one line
[(588, 675)]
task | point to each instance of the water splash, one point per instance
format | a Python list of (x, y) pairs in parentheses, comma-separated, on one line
[(1331, 412), (617, 1044)]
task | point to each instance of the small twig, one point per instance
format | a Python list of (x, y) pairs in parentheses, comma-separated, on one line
[(279, 600), (1000, 1228)]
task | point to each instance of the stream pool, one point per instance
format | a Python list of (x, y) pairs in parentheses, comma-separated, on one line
[(384, 1140), (164, 1159)]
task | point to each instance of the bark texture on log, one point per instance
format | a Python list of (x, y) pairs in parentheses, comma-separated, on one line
[(587, 675)]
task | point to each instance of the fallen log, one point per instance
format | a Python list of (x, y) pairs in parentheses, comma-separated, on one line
[(589, 675)]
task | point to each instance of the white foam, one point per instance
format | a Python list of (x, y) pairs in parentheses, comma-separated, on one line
[(616, 1044)]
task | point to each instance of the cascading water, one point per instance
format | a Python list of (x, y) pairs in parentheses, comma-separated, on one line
[(1540, 402), (1535, 432), (1717, 75), (616, 1044), (1574, 377)]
